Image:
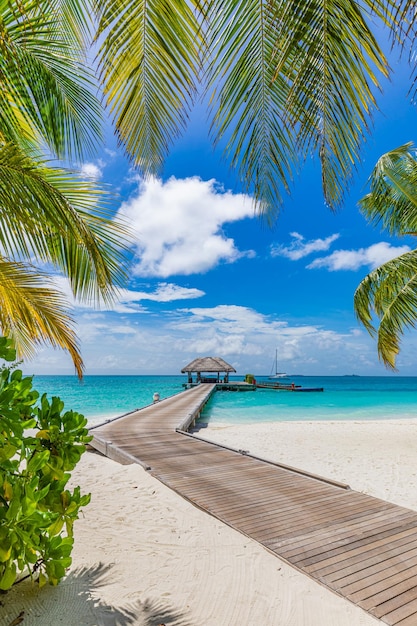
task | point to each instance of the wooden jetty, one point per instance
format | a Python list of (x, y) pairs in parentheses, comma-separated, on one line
[(232, 385), (360, 547)]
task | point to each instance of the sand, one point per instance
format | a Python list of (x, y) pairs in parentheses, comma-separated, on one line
[(145, 556)]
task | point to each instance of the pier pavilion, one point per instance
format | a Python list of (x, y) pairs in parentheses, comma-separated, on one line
[(208, 365)]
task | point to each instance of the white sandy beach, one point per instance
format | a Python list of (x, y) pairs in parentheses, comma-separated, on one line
[(144, 556)]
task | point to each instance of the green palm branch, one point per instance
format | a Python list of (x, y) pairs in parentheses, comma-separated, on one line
[(62, 220), (392, 201), (33, 312), (48, 93), (333, 63), (49, 216), (150, 61), (389, 293), (285, 79), (247, 100)]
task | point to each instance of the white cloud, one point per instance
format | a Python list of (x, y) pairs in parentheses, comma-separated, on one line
[(92, 171), (166, 292), (373, 257), (300, 248), (178, 225), (127, 300), (245, 337)]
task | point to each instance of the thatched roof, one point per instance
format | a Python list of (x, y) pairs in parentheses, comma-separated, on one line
[(208, 364)]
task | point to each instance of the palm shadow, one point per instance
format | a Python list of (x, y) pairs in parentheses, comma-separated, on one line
[(77, 597)]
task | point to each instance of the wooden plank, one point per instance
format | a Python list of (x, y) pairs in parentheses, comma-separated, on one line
[(360, 579), (356, 570), (307, 550), (392, 591), (372, 593), (360, 546), (371, 526), (405, 611), (361, 558)]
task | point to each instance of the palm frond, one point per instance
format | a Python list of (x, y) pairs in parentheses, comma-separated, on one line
[(392, 201), (53, 215), (390, 294), (77, 20), (285, 79), (44, 82), (332, 61), (248, 103), (150, 61), (33, 313), (405, 35)]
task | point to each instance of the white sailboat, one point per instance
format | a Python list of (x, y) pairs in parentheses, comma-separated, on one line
[(275, 367)]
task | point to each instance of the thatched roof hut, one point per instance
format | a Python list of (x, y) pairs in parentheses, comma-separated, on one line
[(208, 364)]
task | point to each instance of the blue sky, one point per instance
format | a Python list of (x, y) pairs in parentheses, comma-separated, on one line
[(210, 278)]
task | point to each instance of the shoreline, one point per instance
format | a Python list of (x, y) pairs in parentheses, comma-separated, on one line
[(142, 553)]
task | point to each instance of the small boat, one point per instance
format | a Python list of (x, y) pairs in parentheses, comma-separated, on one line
[(275, 366), (265, 384), (308, 389)]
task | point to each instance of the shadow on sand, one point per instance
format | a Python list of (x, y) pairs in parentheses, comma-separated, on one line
[(76, 602)]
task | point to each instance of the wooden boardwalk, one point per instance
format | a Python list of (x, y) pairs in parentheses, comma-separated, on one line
[(362, 548)]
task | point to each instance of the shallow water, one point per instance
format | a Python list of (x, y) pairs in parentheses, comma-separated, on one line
[(344, 397)]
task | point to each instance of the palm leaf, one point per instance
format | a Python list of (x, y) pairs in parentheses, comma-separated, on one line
[(328, 54), (247, 102), (285, 79), (47, 93), (33, 313), (390, 293), (150, 60), (406, 34), (77, 20), (53, 215), (392, 201)]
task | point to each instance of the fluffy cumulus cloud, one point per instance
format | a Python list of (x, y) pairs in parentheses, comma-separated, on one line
[(373, 257), (300, 247), (178, 226), (246, 338), (92, 170)]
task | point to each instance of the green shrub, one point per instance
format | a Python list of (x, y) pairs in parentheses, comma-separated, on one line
[(39, 446)]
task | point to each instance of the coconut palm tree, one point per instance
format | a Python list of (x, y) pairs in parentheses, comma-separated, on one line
[(48, 216), (390, 291)]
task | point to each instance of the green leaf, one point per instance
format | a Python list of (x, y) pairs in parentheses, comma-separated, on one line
[(5, 551), (56, 527), (38, 460), (8, 576)]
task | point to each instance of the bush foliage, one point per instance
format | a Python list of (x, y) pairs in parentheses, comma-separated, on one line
[(39, 446)]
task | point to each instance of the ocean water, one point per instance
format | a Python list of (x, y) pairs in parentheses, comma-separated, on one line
[(102, 397), (344, 398)]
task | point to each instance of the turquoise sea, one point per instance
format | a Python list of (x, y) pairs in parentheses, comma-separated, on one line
[(343, 398)]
